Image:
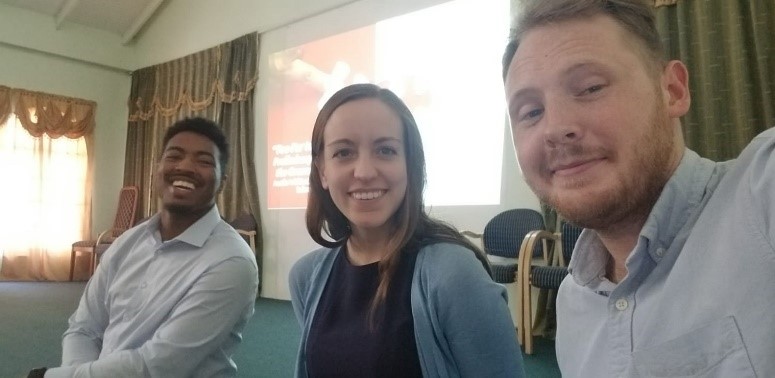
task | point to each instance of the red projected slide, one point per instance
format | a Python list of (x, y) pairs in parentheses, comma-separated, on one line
[(302, 79)]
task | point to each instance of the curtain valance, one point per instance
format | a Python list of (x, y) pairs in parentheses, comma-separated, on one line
[(43, 113), (196, 81), (5, 103)]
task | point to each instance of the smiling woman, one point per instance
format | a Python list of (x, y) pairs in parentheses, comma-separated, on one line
[(378, 292)]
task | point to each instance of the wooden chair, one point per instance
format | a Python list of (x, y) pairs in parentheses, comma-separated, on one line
[(502, 237), (543, 277), (124, 220)]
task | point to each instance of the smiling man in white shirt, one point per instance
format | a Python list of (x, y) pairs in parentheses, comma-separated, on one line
[(171, 296)]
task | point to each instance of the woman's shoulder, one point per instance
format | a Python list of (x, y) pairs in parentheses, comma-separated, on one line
[(449, 270), (446, 255)]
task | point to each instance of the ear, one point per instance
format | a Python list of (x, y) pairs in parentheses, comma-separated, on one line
[(675, 88), (322, 173), (222, 184)]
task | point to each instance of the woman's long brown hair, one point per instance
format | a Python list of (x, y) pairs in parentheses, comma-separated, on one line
[(411, 225)]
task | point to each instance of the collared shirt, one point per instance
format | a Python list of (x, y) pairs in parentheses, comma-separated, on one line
[(699, 295), (156, 308)]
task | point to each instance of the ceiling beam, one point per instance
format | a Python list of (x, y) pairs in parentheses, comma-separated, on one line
[(144, 16), (67, 7)]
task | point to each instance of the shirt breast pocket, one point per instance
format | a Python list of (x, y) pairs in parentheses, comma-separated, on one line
[(712, 350)]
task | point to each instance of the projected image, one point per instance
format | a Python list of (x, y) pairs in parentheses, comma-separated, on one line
[(448, 75)]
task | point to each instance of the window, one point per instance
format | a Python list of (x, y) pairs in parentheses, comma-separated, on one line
[(43, 201)]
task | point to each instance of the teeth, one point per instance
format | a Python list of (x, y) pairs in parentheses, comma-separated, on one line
[(368, 195), (183, 184)]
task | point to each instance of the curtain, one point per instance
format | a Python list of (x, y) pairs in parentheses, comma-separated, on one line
[(46, 148), (729, 49), (662, 3), (5, 103), (217, 83)]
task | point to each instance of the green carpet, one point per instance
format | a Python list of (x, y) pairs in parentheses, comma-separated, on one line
[(34, 315)]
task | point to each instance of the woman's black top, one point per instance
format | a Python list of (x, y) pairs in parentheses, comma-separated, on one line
[(340, 341)]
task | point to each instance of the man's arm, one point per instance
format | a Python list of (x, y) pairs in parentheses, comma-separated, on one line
[(199, 324), (761, 183), (82, 342)]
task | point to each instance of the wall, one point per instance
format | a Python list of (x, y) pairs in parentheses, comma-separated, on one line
[(109, 89), (30, 30), (182, 27)]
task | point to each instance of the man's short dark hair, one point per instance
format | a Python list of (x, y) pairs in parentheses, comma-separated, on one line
[(203, 127)]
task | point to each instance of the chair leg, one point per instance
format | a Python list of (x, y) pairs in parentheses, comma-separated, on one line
[(93, 262), (520, 306), (527, 319), (72, 263), (523, 283), (527, 300)]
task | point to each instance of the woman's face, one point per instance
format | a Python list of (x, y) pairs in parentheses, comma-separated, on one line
[(363, 164)]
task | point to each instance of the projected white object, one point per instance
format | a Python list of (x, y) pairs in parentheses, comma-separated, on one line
[(443, 61)]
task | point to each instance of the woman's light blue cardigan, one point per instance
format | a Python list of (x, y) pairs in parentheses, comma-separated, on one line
[(462, 324)]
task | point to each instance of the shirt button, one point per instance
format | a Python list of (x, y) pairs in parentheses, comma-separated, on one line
[(660, 252), (621, 304), (143, 285)]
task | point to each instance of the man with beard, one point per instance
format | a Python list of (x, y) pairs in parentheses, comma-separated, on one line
[(674, 274), (171, 295)]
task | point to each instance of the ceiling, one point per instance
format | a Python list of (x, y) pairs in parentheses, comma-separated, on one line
[(124, 18)]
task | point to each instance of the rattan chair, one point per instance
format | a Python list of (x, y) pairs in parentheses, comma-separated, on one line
[(124, 220)]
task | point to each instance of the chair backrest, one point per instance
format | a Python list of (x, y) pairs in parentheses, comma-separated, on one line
[(244, 221), (504, 233), (125, 213), (568, 237)]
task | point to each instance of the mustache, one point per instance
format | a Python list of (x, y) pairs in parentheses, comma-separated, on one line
[(569, 154)]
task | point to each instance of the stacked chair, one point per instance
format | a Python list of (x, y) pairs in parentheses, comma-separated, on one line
[(502, 240), (546, 277)]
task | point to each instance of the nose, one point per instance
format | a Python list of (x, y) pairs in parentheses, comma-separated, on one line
[(186, 164), (365, 168), (561, 125)]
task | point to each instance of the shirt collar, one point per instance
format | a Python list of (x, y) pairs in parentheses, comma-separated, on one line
[(680, 198), (196, 234)]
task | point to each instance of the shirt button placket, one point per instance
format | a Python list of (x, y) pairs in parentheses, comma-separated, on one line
[(620, 338)]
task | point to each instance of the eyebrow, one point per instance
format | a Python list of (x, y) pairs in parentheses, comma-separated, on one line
[(182, 150), (564, 75), (350, 142), (586, 65), (387, 139)]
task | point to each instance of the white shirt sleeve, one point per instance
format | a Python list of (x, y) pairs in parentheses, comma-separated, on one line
[(82, 341), (199, 324)]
